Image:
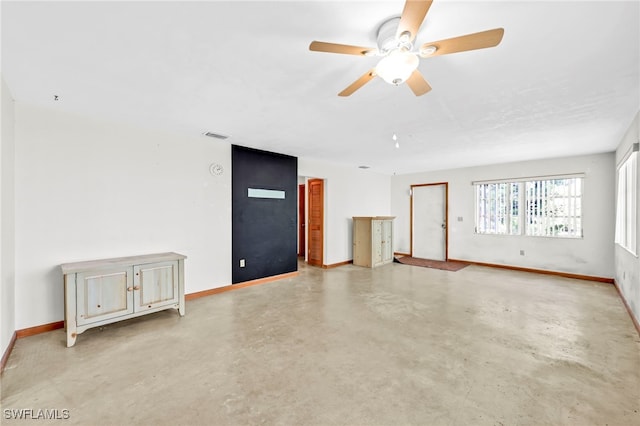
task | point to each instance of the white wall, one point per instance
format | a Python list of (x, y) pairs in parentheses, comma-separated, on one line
[(627, 266), (7, 218), (87, 189), (91, 189), (591, 255), (348, 192)]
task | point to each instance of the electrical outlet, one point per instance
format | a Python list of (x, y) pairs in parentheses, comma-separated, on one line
[(521, 252), (242, 263), (459, 218)]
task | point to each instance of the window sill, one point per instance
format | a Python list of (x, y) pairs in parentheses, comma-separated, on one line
[(627, 250)]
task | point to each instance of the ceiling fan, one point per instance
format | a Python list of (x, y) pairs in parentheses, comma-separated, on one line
[(399, 61)]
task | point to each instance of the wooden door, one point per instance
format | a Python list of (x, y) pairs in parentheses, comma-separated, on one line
[(429, 233), (301, 220), (315, 222)]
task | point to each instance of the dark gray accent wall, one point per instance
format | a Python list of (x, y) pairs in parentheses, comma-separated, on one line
[(264, 230)]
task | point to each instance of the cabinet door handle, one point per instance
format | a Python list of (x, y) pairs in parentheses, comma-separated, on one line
[(129, 288), (136, 287)]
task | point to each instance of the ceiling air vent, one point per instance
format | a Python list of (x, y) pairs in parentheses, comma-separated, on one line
[(215, 135)]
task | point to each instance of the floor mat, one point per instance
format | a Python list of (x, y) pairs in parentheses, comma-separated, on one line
[(450, 265)]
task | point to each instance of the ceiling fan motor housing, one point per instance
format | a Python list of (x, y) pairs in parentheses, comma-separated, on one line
[(386, 37)]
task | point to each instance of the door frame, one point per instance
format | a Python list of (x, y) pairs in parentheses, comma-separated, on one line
[(302, 219), (446, 216)]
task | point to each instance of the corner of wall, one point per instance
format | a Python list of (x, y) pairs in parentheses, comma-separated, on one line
[(7, 222)]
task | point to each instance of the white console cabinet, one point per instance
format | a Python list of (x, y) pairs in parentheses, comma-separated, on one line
[(100, 292), (372, 240)]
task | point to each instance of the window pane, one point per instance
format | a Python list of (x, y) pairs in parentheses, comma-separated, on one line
[(553, 207), (626, 204), (497, 209), (515, 208)]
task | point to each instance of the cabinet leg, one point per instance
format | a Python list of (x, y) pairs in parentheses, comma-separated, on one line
[(71, 337), (181, 287)]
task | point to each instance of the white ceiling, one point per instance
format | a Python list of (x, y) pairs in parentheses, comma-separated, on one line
[(564, 81)]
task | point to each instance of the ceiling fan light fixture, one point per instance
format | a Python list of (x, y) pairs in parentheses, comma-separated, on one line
[(397, 67), (399, 62), (427, 50)]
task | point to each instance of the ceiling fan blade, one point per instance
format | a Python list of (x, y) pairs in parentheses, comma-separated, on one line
[(473, 41), (418, 84), (321, 46), (358, 83), (412, 16)]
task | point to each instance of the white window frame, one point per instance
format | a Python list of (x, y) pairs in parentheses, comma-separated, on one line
[(517, 214), (627, 202)]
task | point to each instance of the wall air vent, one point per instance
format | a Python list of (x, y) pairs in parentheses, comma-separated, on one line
[(215, 135)]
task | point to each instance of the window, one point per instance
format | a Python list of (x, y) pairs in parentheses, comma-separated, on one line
[(554, 207), (497, 208), (547, 207), (627, 203)]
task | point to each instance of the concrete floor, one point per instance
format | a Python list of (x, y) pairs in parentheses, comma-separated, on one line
[(350, 346)]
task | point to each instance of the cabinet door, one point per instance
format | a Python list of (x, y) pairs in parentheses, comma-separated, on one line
[(156, 284), (376, 242), (103, 295), (387, 241)]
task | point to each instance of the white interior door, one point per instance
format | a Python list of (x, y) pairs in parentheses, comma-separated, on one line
[(429, 222)]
